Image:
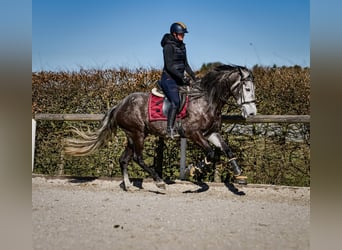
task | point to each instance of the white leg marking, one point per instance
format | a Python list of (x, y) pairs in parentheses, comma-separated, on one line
[(214, 139)]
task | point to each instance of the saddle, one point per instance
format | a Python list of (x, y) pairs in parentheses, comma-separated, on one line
[(158, 105)]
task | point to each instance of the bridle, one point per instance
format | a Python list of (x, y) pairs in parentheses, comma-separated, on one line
[(239, 86)]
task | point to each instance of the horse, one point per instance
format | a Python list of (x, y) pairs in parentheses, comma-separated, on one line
[(202, 123)]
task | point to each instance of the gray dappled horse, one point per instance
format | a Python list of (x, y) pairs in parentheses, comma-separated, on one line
[(201, 125)]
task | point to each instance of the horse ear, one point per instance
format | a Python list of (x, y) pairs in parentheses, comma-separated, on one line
[(244, 72)]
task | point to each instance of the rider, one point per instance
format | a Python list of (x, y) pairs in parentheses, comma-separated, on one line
[(175, 63)]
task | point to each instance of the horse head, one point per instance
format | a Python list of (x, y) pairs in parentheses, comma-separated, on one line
[(243, 91), (230, 80)]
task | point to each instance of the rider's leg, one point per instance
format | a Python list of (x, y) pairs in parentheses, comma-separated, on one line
[(170, 89), (173, 96), (171, 118)]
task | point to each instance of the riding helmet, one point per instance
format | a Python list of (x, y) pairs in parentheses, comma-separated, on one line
[(179, 28)]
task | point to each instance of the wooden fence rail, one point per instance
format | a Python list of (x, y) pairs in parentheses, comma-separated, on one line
[(225, 119)]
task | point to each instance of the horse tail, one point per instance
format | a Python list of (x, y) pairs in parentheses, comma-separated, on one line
[(91, 141)]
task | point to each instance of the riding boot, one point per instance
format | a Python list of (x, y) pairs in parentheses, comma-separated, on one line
[(171, 118)]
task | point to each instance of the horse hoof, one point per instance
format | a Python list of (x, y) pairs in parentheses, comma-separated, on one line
[(126, 187), (189, 172), (242, 180), (161, 185)]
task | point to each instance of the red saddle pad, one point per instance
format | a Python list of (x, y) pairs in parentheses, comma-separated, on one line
[(155, 109)]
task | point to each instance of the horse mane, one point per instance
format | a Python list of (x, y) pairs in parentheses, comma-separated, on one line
[(215, 85)]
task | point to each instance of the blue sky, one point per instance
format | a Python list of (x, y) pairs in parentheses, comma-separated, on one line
[(69, 34)]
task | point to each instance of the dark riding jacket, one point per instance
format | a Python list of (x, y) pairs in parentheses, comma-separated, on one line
[(175, 60)]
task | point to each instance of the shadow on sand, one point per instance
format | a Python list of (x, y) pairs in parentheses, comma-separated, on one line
[(138, 182)]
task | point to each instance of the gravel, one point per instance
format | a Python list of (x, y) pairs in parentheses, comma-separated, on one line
[(97, 214)]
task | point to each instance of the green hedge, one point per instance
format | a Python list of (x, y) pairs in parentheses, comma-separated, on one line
[(266, 156)]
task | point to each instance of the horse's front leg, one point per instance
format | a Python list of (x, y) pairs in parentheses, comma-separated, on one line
[(217, 140), (200, 140)]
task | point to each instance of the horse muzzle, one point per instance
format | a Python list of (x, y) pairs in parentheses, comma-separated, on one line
[(248, 109)]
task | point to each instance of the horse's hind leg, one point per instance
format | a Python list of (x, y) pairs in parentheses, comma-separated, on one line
[(138, 149), (125, 158), (159, 182)]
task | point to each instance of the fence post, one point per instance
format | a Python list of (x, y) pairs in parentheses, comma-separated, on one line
[(182, 159), (34, 125)]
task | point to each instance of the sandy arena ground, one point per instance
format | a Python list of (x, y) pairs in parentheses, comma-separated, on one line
[(97, 214)]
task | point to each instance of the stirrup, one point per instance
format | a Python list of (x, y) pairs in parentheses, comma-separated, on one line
[(171, 133)]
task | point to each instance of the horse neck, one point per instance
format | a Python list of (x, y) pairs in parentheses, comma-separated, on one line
[(215, 105), (213, 97), (217, 101)]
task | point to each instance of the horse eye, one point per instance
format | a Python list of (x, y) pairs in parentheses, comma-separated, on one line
[(248, 89)]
